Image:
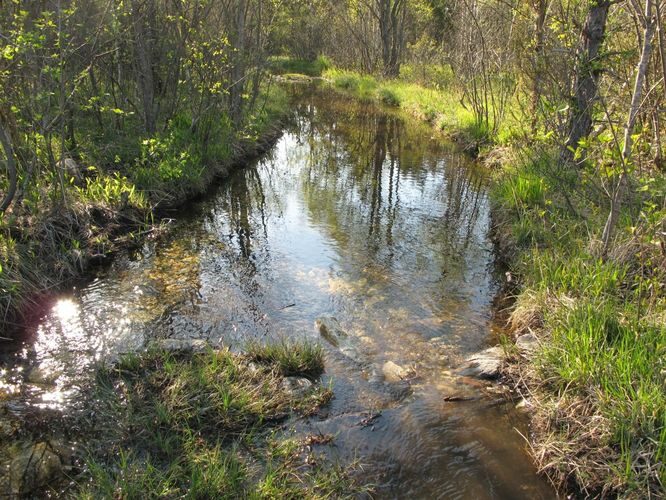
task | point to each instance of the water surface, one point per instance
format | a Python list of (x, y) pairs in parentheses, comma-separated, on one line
[(356, 214)]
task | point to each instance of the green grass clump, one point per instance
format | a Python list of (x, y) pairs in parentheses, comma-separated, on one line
[(363, 87), (291, 359), (199, 426), (112, 191), (388, 97)]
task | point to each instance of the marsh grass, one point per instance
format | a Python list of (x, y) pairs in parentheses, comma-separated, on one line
[(173, 425)]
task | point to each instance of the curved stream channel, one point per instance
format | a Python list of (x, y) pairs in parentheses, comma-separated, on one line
[(357, 214)]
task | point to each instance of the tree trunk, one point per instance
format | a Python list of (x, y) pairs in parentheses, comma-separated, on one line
[(662, 56), (6, 143), (391, 17), (641, 72), (238, 65), (144, 62), (587, 74), (540, 7)]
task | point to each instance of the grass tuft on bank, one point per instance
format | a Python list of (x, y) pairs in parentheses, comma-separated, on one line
[(290, 358), (203, 425)]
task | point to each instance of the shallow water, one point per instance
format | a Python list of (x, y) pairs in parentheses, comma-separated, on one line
[(357, 214)]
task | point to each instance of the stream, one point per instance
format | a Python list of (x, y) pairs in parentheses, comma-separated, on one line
[(358, 214)]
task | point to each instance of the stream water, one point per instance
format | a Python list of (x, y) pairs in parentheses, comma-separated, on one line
[(357, 214)]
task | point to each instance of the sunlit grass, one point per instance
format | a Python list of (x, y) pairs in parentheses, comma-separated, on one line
[(290, 358)]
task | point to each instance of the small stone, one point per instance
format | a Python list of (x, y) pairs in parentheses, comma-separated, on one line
[(41, 376), (527, 343), (395, 373), (253, 367), (523, 404), (37, 465), (296, 386), (485, 364), (70, 168)]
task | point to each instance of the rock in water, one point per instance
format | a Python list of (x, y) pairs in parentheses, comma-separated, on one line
[(36, 466), (329, 328), (395, 373), (296, 386), (42, 376), (484, 364)]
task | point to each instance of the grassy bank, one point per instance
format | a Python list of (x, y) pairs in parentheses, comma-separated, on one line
[(597, 384), (283, 65), (442, 107), (108, 194)]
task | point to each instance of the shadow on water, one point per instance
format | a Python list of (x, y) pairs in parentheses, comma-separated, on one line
[(356, 214)]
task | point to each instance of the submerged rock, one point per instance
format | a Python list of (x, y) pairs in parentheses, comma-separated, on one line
[(329, 328), (296, 386), (42, 376), (37, 465), (182, 345), (485, 364), (396, 373)]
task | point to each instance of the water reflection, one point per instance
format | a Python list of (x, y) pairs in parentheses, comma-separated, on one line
[(357, 214)]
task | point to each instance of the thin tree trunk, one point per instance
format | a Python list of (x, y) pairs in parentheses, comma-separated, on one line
[(6, 143), (238, 66), (144, 64), (641, 72), (538, 57), (662, 56), (391, 17), (587, 74)]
